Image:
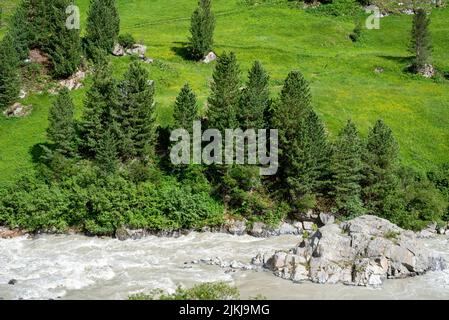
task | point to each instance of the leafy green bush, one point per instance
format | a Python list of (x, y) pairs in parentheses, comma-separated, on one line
[(204, 291), (126, 40)]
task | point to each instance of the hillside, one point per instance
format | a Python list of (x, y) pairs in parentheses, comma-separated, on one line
[(341, 73)]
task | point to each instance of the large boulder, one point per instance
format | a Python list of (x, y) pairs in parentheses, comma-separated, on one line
[(364, 251)]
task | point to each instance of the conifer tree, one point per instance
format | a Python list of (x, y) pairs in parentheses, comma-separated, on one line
[(20, 32), (255, 99), (346, 168), (103, 25), (63, 44), (61, 129), (100, 109), (224, 98), (136, 115), (9, 72), (303, 146), (421, 45), (185, 111), (107, 156), (202, 30), (380, 159)]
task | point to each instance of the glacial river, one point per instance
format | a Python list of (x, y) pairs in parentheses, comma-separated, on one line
[(78, 267)]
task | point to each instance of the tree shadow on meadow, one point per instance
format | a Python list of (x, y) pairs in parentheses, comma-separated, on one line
[(37, 152), (181, 49)]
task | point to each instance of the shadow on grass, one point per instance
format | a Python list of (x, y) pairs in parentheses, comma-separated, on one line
[(403, 60), (181, 49), (38, 151)]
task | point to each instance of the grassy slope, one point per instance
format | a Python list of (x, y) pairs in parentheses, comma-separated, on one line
[(341, 73)]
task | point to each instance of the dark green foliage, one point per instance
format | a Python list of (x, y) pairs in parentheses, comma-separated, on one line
[(20, 32), (440, 178), (106, 154), (202, 30), (224, 98), (185, 110), (302, 140), (126, 40), (255, 99), (380, 161), (100, 109), (63, 45), (36, 26), (103, 25), (415, 203), (421, 45), (9, 73), (61, 125), (346, 169), (136, 114)]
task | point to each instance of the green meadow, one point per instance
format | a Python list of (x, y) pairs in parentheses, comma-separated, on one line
[(283, 38)]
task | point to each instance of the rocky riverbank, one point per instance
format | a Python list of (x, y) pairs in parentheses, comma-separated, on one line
[(363, 252)]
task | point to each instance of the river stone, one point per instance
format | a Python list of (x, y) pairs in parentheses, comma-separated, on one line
[(327, 218), (258, 229), (236, 227), (364, 252)]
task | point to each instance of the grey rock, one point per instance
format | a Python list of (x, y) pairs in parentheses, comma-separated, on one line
[(236, 227), (118, 50), (327, 218), (12, 282), (211, 56), (308, 225), (258, 229), (364, 252), (17, 110)]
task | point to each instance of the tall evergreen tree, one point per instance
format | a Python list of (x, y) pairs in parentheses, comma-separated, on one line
[(100, 109), (255, 99), (303, 147), (421, 45), (346, 167), (380, 159), (20, 32), (61, 129), (9, 72), (136, 116), (185, 111), (107, 156), (103, 25), (224, 98), (202, 29), (63, 44)]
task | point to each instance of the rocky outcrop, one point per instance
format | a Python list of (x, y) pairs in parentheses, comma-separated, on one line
[(138, 50), (17, 110), (364, 252), (6, 233)]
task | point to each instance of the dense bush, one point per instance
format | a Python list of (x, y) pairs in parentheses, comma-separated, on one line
[(204, 291), (126, 40)]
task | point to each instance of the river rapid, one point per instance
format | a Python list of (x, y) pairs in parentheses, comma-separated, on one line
[(79, 267)]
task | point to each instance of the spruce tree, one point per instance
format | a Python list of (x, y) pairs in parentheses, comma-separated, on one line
[(255, 99), (20, 32), (61, 128), (103, 25), (224, 98), (202, 30), (9, 72), (303, 147), (63, 44), (380, 159), (136, 115), (421, 45), (185, 110), (346, 168), (107, 156), (100, 109)]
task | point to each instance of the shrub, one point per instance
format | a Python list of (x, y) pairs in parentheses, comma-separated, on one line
[(204, 291), (126, 40)]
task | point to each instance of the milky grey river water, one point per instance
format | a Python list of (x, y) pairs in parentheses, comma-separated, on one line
[(78, 267)]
